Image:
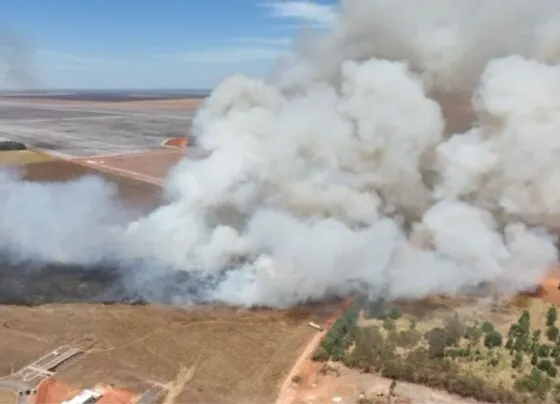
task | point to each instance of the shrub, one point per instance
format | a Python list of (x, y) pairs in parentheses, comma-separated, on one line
[(10, 145), (551, 316), (536, 383), (487, 327), (547, 366), (473, 333), (543, 350), (394, 314), (389, 324), (454, 330), (552, 333), (436, 342), (409, 338), (493, 339), (524, 324), (517, 360)]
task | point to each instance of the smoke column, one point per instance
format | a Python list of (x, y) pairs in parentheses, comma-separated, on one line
[(334, 174), (15, 61)]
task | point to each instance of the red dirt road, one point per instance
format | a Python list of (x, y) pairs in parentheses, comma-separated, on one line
[(306, 368), (150, 166)]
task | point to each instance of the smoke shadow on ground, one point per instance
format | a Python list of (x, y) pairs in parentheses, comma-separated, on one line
[(27, 283)]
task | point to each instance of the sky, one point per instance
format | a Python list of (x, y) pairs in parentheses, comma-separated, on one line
[(105, 44)]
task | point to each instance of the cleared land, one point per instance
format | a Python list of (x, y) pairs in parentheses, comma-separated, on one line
[(84, 129), (238, 355), (7, 396)]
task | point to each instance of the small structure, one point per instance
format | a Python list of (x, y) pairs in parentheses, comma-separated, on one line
[(84, 397)]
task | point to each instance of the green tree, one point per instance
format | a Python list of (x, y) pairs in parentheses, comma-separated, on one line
[(493, 339), (524, 324), (551, 316), (487, 327), (546, 366), (517, 360), (454, 330), (394, 314), (436, 342), (552, 333), (536, 383)]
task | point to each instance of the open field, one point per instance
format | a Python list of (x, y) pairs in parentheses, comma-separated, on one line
[(239, 356), (86, 129), (7, 396)]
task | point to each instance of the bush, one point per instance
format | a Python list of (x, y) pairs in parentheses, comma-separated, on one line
[(493, 339), (473, 334), (409, 338), (389, 324), (454, 330), (436, 342), (487, 327), (10, 145), (340, 336), (517, 360), (394, 314), (536, 383), (543, 350), (551, 316), (547, 366), (552, 333)]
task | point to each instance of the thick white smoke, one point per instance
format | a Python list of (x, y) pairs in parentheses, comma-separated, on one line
[(334, 176)]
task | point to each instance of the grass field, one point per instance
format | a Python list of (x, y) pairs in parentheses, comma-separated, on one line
[(7, 396), (23, 157), (237, 355)]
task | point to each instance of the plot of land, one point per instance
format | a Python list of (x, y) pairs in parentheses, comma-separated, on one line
[(238, 356), (7, 396)]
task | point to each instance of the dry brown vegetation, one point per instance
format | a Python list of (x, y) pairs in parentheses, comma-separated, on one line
[(238, 355), (7, 396)]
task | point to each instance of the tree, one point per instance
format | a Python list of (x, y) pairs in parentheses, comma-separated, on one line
[(394, 314), (436, 342), (551, 316), (552, 333), (454, 330), (487, 327), (517, 360), (493, 339), (546, 366), (10, 145), (524, 323)]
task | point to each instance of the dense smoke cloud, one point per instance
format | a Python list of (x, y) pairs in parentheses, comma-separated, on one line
[(334, 175)]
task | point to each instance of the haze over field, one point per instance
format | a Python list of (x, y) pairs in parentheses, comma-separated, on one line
[(321, 174)]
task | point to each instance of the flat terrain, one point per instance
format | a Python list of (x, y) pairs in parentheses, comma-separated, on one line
[(94, 128), (238, 356), (7, 396)]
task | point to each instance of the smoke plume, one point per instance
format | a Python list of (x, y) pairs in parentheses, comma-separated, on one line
[(15, 61), (334, 175)]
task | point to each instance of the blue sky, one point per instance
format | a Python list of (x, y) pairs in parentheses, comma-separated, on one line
[(155, 43)]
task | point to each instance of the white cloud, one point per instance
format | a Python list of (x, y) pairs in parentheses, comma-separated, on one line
[(308, 11)]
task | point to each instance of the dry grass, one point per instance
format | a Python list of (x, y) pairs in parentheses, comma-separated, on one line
[(240, 356), (23, 157), (7, 396)]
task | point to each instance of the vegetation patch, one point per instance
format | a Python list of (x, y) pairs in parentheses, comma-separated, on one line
[(9, 145), (480, 358)]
